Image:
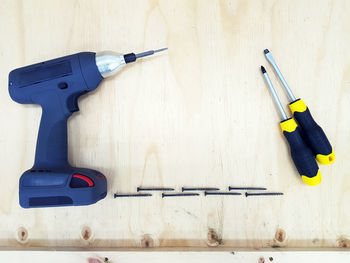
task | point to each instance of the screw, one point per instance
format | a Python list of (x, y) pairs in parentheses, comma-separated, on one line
[(256, 194), (179, 194), (246, 188), (154, 189), (199, 189), (131, 195), (221, 193)]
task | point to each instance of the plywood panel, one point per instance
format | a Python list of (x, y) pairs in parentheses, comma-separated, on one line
[(172, 257), (199, 115)]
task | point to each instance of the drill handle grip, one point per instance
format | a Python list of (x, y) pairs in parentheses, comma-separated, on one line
[(52, 145), (56, 86)]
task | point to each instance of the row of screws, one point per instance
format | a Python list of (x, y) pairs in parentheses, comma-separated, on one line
[(207, 191), (221, 193), (197, 194), (230, 188)]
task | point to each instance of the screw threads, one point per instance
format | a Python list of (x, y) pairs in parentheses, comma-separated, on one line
[(131, 195), (246, 188), (221, 193), (262, 194), (199, 189), (139, 189), (179, 194)]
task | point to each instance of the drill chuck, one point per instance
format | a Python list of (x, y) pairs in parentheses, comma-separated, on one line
[(109, 63)]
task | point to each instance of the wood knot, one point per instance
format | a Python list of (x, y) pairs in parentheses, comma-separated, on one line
[(22, 234), (213, 238), (280, 235), (343, 242), (147, 241), (86, 233), (261, 260), (271, 259)]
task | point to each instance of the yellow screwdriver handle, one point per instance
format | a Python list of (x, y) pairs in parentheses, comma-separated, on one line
[(312, 133), (301, 154)]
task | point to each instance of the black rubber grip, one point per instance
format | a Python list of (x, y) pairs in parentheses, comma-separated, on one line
[(301, 154), (312, 133)]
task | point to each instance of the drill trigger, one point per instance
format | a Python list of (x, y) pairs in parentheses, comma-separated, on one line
[(72, 101)]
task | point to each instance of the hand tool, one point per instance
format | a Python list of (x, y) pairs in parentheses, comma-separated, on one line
[(310, 130), (154, 189), (178, 194), (301, 154), (56, 86), (131, 195), (259, 194), (199, 189), (246, 188), (221, 193)]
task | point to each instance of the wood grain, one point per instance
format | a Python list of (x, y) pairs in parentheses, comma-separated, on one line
[(199, 115), (172, 257)]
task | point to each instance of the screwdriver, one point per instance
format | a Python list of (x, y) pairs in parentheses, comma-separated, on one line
[(311, 131), (301, 154)]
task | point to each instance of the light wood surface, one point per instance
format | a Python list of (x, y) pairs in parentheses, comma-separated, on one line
[(199, 115), (174, 257)]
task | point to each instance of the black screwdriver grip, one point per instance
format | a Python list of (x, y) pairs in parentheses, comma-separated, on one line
[(301, 154), (312, 133)]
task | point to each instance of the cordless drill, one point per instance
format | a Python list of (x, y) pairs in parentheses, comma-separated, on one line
[(56, 86)]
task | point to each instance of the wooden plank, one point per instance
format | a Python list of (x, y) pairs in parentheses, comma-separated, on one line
[(172, 257), (200, 115)]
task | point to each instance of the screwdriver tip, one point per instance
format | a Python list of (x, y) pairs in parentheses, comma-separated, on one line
[(266, 51), (263, 70), (160, 50), (146, 53)]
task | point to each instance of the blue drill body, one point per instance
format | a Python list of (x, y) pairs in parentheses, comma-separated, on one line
[(56, 86)]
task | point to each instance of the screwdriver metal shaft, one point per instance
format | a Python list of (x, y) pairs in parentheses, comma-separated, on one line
[(269, 57), (150, 52), (274, 94)]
